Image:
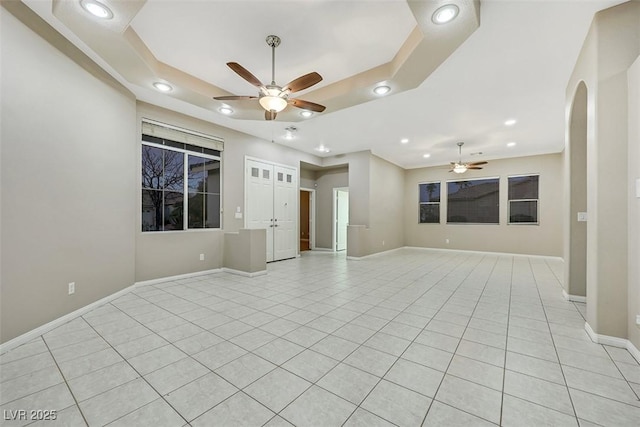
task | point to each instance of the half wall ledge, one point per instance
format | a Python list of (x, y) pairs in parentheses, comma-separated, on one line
[(245, 252)]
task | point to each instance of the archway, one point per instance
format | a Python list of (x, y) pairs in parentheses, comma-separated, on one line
[(576, 172)]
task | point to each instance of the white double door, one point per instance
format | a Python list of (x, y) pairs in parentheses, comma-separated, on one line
[(272, 204)]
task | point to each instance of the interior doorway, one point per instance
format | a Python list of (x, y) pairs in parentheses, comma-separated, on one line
[(341, 218), (307, 219)]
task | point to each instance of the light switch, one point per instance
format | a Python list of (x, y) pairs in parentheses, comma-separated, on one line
[(582, 216), (638, 188)]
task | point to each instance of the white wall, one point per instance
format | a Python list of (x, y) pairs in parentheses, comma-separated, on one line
[(68, 164), (542, 239)]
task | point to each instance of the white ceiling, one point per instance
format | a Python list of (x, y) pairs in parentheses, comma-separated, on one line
[(316, 36), (515, 65)]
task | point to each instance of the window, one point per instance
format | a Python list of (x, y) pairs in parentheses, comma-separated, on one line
[(429, 202), (523, 199), (473, 201), (180, 185)]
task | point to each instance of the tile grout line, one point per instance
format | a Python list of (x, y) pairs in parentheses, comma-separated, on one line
[(359, 345), (77, 404), (553, 341), (461, 336), (506, 344)]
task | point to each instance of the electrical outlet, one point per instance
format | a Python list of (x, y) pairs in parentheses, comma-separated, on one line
[(72, 288), (446, 241), (638, 319), (201, 257), (383, 243)]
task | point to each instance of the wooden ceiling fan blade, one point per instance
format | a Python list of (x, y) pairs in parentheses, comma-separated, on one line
[(244, 73), (307, 105), (234, 98), (270, 115), (303, 82), (476, 163), (473, 167)]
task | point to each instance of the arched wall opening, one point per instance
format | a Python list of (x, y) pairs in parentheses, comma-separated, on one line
[(576, 258)]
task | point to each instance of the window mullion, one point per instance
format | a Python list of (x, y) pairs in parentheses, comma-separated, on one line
[(185, 193)]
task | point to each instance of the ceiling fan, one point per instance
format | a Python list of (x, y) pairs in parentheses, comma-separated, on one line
[(459, 167), (274, 98)]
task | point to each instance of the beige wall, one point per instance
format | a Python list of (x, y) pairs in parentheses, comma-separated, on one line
[(244, 250), (575, 168), (327, 180), (542, 239), (634, 203), (386, 205), (307, 179), (67, 168), (612, 45), (172, 253)]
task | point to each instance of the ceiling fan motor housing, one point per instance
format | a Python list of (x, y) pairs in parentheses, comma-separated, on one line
[(273, 41)]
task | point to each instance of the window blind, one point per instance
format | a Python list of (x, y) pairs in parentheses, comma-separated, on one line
[(173, 133)]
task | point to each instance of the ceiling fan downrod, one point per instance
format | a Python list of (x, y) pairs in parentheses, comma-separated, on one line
[(273, 42)]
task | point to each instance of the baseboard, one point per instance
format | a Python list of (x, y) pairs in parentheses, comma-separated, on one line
[(575, 298), (613, 342), (634, 351), (605, 339), (357, 258), (40, 330), (178, 277), (321, 250), (549, 257), (244, 273)]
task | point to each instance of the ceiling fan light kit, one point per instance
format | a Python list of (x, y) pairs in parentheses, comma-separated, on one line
[(272, 97)]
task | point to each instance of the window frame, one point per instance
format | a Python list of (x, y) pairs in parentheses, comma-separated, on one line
[(185, 187), (496, 178), (439, 202), (509, 201)]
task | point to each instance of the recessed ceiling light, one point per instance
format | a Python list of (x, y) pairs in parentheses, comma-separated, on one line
[(444, 14), (381, 90), (404, 140), (321, 148), (163, 87), (511, 144), (226, 110), (97, 9), (306, 113), (510, 122), (426, 156)]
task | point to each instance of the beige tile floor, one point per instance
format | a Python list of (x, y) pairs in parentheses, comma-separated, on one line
[(409, 338)]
